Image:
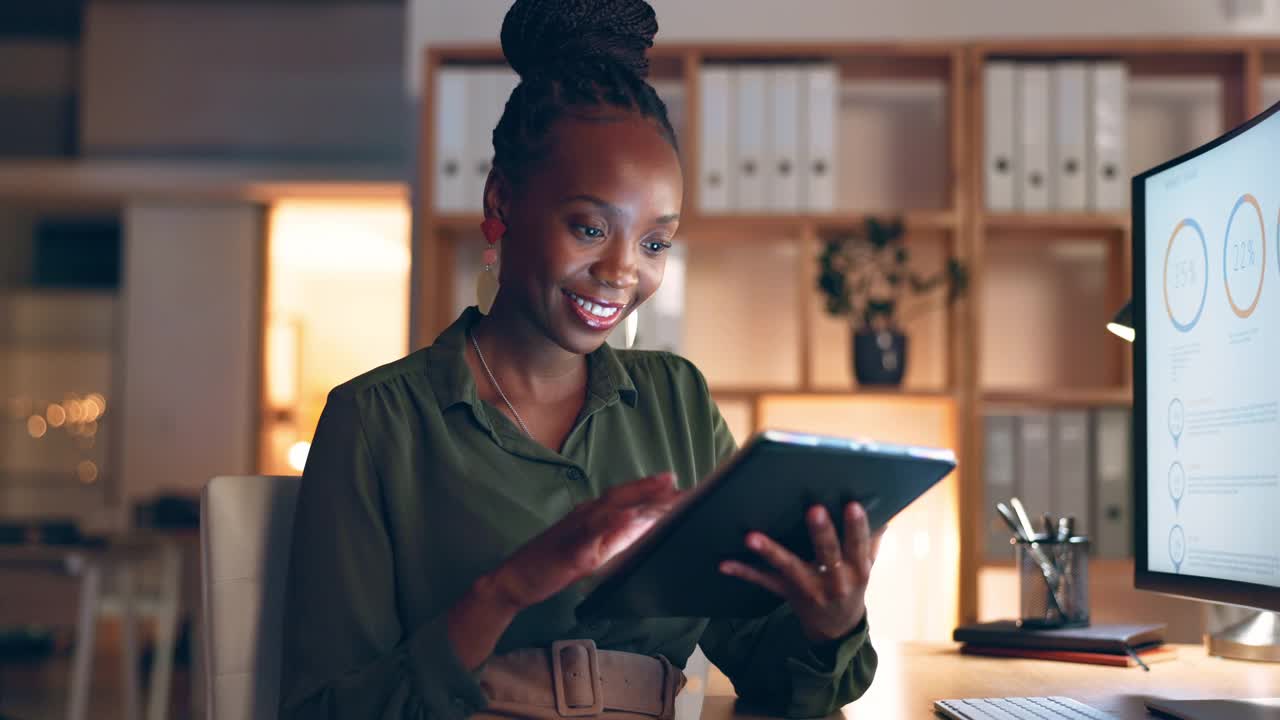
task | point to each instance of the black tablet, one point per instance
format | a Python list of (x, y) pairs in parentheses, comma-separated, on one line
[(673, 570)]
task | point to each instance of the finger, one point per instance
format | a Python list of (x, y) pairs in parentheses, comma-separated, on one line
[(797, 573), (642, 490), (857, 538), (826, 546), (772, 583), (876, 537)]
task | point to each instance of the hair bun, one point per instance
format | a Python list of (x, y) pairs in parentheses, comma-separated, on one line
[(539, 36)]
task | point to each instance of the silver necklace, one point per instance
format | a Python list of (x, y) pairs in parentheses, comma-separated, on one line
[(498, 387)]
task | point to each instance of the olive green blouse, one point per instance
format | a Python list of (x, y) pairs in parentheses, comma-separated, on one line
[(415, 487)]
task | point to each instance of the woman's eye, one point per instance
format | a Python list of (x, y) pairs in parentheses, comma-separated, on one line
[(589, 231), (656, 247)]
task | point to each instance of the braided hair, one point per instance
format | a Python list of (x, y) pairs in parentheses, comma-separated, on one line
[(574, 58)]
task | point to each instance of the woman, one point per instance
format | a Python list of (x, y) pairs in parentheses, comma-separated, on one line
[(453, 499)]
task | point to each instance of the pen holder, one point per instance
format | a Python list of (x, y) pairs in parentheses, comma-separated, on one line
[(1053, 582)]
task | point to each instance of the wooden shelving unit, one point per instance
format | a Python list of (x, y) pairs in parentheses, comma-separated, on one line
[(962, 224)]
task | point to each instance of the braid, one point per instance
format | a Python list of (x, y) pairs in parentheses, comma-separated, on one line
[(574, 57)]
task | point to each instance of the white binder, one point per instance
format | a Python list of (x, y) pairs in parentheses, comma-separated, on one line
[(1035, 466), (661, 320), (451, 139), (1070, 115), (1000, 468), (715, 138), (752, 139), (1108, 166), (1113, 512), (822, 91), (1033, 136), (999, 156), (1071, 460), (786, 104), (481, 117)]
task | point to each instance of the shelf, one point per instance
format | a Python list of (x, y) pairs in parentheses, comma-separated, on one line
[(1104, 566), (1064, 398), (1083, 223), (65, 180), (916, 220), (887, 394)]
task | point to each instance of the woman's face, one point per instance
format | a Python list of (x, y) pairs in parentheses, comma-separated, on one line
[(589, 228)]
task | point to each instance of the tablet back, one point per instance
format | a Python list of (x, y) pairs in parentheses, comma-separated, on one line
[(767, 486)]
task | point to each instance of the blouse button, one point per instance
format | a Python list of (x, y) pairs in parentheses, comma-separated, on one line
[(576, 475)]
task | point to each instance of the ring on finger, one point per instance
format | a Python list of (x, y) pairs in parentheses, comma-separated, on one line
[(824, 568)]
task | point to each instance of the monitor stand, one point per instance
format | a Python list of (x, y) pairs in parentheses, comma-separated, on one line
[(1258, 709), (1255, 638)]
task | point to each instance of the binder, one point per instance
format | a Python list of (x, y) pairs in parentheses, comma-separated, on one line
[(1071, 461), (752, 139), (451, 139), (999, 100), (1035, 465), (1033, 136), (715, 133), (662, 317), (481, 117), (786, 105), (822, 93), (1070, 115), (1000, 470), (1113, 513), (502, 83), (1108, 166)]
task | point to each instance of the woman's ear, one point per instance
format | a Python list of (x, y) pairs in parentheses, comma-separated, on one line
[(497, 195)]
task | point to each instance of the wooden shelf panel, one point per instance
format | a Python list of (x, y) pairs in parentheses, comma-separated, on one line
[(1060, 398), (1112, 567), (1084, 223), (888, 395), (916, 220)]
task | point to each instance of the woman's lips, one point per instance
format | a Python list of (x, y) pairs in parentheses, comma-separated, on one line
[(593, 312)]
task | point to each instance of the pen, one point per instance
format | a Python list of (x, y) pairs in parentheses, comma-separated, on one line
[(1136, 658)]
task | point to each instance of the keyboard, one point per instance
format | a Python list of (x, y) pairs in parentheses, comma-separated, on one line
[(1019, 708)]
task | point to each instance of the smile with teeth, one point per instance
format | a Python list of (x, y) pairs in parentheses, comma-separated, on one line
[(601, 311)]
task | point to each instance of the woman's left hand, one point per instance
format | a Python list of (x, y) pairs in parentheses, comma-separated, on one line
[(828, 596)]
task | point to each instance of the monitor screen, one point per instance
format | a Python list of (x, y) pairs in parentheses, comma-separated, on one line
[(1207, 390)]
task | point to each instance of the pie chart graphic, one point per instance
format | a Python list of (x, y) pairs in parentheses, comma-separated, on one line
[(1244, 256), (1186, 279)]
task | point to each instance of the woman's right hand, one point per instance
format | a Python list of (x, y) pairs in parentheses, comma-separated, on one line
[(585, 539), (572, 549)]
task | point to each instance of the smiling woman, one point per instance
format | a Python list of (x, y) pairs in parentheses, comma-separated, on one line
[(453, 500)]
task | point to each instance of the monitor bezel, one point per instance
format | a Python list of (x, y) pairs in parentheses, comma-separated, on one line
[(1235, 592)]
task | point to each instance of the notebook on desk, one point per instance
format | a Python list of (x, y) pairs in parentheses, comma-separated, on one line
[(1159, 653), (1114, 639)]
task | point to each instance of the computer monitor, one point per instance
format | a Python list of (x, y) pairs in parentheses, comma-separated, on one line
[(1206, 311)]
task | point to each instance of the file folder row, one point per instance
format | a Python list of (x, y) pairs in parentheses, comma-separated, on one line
[(767, 138), (468, 104), (1066, 463), (1056, 136)]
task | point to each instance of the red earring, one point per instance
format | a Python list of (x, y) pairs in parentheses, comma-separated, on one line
[(487, 282), (493, 229)]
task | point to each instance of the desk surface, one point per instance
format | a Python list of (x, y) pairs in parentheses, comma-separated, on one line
[(912, 676)]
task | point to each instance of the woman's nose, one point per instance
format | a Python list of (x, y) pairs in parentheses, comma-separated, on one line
[(617, 268)]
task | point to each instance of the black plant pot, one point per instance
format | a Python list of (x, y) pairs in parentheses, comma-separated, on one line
[(879, 357)]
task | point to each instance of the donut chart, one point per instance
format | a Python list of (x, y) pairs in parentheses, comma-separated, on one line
[(1186, 266), (1244, 257)]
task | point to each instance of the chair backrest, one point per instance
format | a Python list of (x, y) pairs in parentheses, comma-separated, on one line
[(246, 528)]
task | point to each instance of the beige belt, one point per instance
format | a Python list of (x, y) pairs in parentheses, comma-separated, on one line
[(574, 679)]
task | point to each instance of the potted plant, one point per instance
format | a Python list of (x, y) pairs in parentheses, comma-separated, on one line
[(865, 275)]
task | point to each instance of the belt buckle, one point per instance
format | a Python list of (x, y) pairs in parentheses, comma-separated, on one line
[(558, 651)]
